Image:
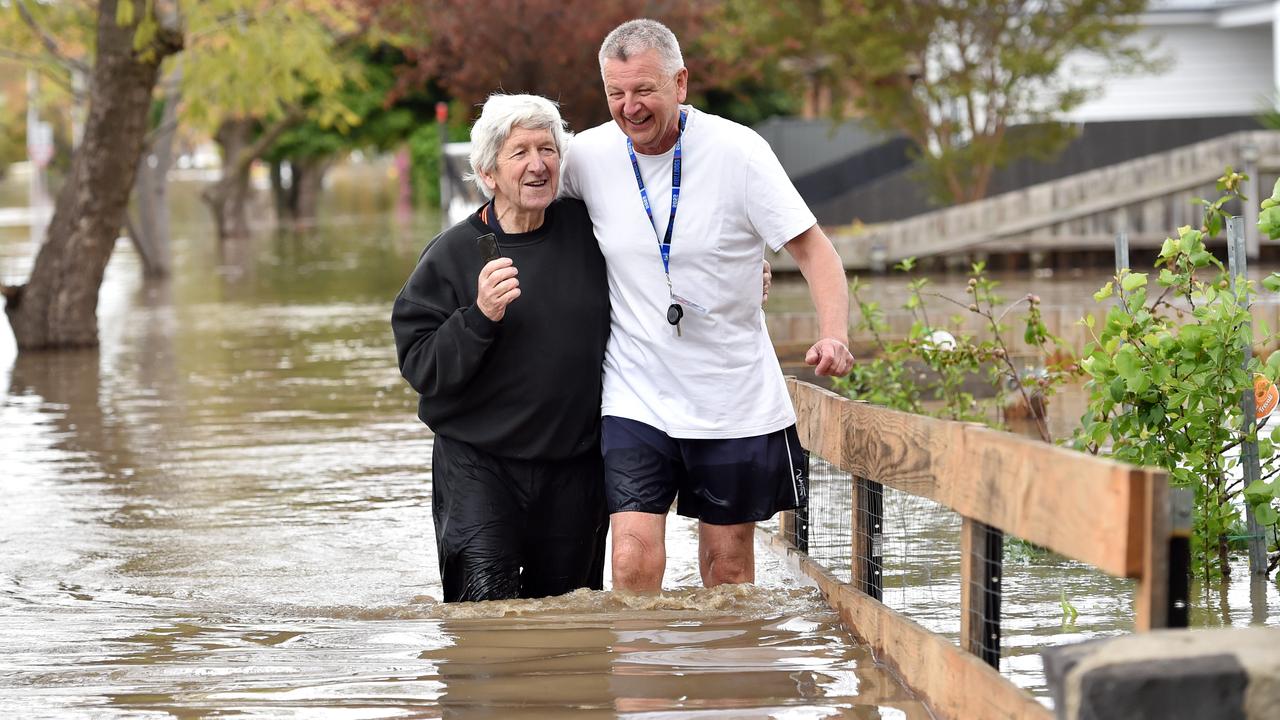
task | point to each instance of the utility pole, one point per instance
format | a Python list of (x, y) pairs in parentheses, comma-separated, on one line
[(39, 152), (446, 187)]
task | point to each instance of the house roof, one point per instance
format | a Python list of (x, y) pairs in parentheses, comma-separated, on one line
[(1199, 5), (1217, 13)]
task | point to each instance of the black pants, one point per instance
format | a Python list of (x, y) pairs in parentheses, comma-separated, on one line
[(516, 528)]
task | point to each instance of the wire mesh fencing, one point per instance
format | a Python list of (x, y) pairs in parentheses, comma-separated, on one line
[(907, 552)]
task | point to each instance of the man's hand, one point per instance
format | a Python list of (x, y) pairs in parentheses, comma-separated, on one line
[(496, 287), (768, 281), (830, 357)]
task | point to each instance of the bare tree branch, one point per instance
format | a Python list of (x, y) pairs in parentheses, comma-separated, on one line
[(48, 41)]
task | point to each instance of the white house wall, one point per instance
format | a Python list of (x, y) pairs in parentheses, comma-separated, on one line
[(1213, 72)]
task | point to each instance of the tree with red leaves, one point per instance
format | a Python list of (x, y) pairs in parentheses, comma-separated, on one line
[(548, 47)]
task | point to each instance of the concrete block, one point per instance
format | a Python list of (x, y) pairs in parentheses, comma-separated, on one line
[(1225, 674)]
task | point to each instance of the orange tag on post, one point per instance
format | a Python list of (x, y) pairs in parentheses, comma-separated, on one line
[(1265, 396)]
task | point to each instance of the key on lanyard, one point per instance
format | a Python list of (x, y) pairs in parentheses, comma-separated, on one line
[(674, 311)]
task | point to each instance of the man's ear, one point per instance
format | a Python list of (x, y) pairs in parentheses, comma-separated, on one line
[(682, 84)]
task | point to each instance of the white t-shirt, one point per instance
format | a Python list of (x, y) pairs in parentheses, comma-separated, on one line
[(720, 377)]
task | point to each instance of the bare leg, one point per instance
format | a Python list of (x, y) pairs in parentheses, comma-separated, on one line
[(639, 551), (726, 553)]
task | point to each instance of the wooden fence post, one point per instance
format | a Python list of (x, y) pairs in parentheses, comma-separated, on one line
[(981, 570), (1152, 598), (866, 571)]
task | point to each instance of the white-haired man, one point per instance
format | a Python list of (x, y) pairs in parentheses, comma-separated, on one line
[(694, 404), (508, 368)]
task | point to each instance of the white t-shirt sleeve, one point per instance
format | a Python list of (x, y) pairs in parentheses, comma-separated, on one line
[(570, 183), (774, 206)]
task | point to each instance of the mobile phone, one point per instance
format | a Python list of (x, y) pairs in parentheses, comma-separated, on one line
[(488, 245)]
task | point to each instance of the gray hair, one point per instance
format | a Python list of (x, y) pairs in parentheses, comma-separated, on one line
[(500, 115), (635, 37)]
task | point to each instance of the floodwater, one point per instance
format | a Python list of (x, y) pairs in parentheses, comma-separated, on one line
[(226, 510)]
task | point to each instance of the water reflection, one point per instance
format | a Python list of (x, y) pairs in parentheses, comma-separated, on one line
[(655, 660)]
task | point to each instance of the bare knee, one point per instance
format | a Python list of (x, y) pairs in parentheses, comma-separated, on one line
[(638, 561), (726, 566), (726, 554)]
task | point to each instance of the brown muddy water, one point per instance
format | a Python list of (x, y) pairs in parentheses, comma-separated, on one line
[(225, 510)]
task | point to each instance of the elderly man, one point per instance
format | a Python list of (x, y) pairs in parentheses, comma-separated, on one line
[(508, 368), (695, 408)]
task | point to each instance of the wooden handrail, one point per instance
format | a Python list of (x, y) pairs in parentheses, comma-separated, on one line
[(1081, 506), (1110, 515)]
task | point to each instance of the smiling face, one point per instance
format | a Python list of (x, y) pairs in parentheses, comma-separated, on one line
[(528, 171), (645, 100)]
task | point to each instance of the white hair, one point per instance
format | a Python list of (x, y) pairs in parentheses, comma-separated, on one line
[(500, 115), (636, 37)]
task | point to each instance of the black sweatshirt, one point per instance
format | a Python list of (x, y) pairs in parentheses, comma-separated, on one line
[(528, 386)]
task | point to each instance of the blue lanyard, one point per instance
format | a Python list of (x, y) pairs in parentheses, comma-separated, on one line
[(664, 247)]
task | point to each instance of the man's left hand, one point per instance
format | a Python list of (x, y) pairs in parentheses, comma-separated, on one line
[(830, 357)]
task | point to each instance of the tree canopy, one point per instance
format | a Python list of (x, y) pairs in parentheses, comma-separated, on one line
[(549, 47), (953, 76)]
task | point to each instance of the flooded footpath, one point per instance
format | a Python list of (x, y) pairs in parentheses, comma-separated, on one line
[(225, 510)]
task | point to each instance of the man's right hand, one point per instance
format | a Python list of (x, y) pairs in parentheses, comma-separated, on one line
[(496, 287)]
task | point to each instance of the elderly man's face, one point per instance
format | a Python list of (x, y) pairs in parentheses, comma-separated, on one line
[(528, 171), (645, 100)]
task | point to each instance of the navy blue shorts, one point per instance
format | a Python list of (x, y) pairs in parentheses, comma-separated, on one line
[(721, 481)]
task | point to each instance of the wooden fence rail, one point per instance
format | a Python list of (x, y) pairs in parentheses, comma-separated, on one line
[(1113, 516)]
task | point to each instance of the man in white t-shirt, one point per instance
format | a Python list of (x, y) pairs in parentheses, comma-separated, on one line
[(694, 402)]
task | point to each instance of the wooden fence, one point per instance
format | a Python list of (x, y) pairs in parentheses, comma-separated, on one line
[(1112, 516)]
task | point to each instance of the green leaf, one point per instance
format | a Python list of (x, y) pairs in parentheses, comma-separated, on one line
[(1128, 364), (1213, 223), (1258, 491), (1269, 222), (1266, 514), (1105, 292), (1139, 384), (1133, 281), (1272, 282), (1099, 433), (1117, 389)]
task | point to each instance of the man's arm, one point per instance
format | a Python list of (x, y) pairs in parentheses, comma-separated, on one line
[(441, 337), (823, 270)]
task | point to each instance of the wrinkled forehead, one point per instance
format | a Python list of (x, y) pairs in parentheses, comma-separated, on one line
[(521, 135), (643, 69)]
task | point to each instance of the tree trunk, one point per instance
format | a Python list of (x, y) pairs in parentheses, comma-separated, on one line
[(283, 196), (228, 198), (57, 308), (308, 184), (151, 233)]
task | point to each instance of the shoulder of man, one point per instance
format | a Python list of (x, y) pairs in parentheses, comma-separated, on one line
[(571, 207), (593, 139), (459, 238), (729, 132)]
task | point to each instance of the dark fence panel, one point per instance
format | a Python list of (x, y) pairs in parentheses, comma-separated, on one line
[(859, 188)]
